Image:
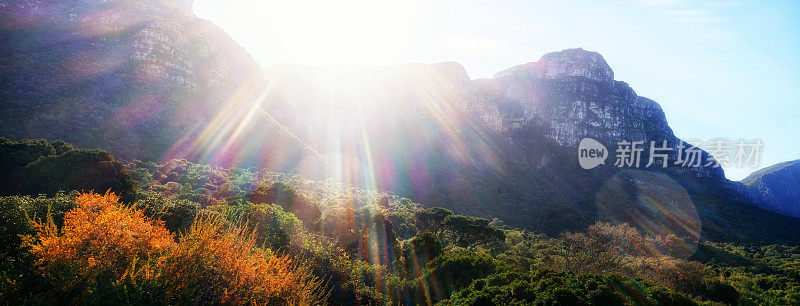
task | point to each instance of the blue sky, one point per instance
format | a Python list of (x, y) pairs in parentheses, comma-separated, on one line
[(720, 69)]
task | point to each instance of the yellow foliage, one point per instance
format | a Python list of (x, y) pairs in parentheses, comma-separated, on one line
[(99, 237), (223, 263), (103, 241)]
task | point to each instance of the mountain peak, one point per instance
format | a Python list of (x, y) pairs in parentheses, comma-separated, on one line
[(567, 63), (575, 62), (172, 7)]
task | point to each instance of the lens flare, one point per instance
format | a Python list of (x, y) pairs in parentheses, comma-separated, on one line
[(654, 203)]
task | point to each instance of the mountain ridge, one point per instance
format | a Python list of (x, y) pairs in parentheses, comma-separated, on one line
[(773, 187), (171, 86), (516, 134)]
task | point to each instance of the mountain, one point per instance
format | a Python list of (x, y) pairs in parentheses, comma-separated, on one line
[(143, 79), (776, 187), (149, 80), (507, 147)]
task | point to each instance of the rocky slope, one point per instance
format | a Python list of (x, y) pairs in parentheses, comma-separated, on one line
[(506, 147), (143, 79), (776, 187)]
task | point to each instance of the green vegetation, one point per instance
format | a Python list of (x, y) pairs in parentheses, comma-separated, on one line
[(40, 167), (189, 233)]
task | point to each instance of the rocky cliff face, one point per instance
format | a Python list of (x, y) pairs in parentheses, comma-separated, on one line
[(572, 94), (506, 147), (567, 63), (775, 188), (140, 78)]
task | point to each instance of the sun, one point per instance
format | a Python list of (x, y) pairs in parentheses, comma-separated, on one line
[(319, 31)]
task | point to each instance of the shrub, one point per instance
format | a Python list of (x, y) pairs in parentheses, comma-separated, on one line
[(111, 253), (217, 263), (177, 214), (721, 292), (470, 231), (288, 198), (273, 227), (85, 170), (100, 244), (20, 281), (545, 287), (349, 281), (453, 271), (419, 251), (40, 167), (15, 212), (15, 155)]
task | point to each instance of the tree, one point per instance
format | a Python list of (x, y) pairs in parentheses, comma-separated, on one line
[(721, 292), (14, 156), (419, 251), (273, 226), (291, 201), (83, 170), (431, 219), (457, 270), (471, 231), (377, 238), (40, 167)]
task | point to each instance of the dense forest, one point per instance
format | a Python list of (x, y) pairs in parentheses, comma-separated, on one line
[(79, 226)]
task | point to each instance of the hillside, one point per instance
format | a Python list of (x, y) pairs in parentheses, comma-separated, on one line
[(142, 79), (776, 187), (247, 235)]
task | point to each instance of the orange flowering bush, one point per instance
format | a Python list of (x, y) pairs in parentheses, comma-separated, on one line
[(219, 263), (100, 241), (107, 252)]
